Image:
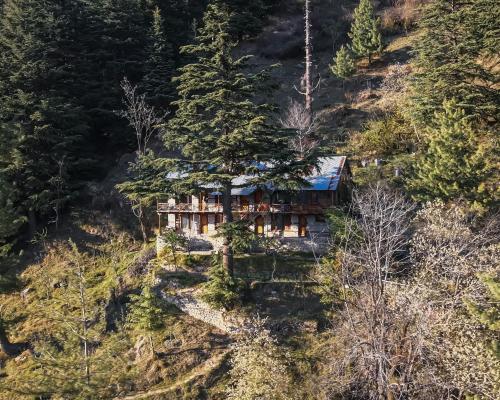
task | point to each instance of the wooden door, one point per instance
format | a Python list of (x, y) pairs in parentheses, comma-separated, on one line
[(302, 226), (259, 225), (204, 224)]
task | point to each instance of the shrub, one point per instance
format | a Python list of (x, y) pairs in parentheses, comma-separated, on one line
[(260, 366), (222, 290), (402, 16), (384, 137)]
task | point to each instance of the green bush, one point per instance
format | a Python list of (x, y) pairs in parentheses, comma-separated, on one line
[(221, 290), (386, 137)]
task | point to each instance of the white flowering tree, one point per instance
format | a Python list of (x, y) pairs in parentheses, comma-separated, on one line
[(452, 251), (260, 367)]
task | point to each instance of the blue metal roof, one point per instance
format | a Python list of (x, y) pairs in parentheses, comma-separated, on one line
[(325, 177)]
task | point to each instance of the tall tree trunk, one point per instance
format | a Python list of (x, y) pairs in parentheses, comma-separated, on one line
[(227, 249), (143, 229), (308, 48), (139, 213)]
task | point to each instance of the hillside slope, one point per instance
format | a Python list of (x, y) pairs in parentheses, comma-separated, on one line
[(192, 357)]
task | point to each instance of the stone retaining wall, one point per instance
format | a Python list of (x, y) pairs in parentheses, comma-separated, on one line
[(318, 244), (187, 302)]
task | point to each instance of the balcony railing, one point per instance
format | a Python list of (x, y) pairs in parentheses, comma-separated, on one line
[(243, 208)]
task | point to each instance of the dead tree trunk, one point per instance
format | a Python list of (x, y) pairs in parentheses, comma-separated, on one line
[(227, 249), (308, 47), (145, 122)]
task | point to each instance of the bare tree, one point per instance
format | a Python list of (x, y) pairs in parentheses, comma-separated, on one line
[(145, 121), (381, 338), (142, 117), (307, 85), (307, 76), (298, 119), (404, 331), (58, 182), (451, 249)]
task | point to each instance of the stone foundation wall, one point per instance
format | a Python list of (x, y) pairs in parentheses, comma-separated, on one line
[(315, 243), (319, 245)]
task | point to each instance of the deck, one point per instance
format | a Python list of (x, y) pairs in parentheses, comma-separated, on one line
[(166, 208)]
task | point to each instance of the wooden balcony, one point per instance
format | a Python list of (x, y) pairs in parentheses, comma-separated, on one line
[(262, 208)]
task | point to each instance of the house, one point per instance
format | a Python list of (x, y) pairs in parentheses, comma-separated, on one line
[(294, 217)]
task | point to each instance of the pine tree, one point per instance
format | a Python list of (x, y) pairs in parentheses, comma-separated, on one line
[(220, 129), (11, 221), (453, 60), (120, 51), (44, 127), (159, 67), (365, 33), (456, 163), (488, 314), (146, 313), (221, 290), (343, 66), (247, 17)]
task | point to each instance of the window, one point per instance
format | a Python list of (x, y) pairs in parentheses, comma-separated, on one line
[(186, 221)]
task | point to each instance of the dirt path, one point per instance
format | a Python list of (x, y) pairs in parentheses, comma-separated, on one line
[(203, 370)]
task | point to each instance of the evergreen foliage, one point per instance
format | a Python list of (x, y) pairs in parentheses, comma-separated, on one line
[(10, 222), (34, 113), (10, 219), (61, 64), (222, 290), (455, 59), (247, 17), (221, 131), (343, 66), (365, 32), (457, 163), (146, 311), (174, 241), (159, 67), (489, 315)]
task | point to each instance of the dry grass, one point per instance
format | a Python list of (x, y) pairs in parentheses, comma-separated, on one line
[(402, 16)]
